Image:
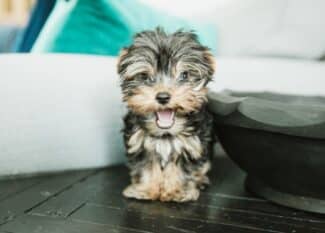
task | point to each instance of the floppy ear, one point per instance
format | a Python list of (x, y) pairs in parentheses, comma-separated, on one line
[(120, 66), (210, 64), (210, 61)]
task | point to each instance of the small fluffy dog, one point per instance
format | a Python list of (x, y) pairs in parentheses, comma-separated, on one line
[(168, 130)]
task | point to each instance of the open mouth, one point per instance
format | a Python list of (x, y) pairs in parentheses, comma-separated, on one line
[(165, 118)]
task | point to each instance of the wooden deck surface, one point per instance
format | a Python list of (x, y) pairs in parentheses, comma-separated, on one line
[(91, 202)]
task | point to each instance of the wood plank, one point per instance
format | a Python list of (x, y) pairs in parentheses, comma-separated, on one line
[(242, 208), (67, 202), (93, 203), (236, 207), (147, 221), (51, 186), (12, 187), (207, 213), (41, 224), (261, 208), (227, 190)]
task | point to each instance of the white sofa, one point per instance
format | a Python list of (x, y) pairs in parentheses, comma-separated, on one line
[(64, 112), (58, 112)]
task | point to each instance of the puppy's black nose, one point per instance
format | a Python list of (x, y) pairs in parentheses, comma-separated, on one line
[(163, 97)]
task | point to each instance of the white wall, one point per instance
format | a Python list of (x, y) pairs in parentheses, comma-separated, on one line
[(276, 28)]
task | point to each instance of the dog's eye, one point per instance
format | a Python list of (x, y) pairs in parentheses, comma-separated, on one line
[(143, 76), (183, 76)]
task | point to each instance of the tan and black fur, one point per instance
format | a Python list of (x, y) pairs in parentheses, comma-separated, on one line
[(167, 164)]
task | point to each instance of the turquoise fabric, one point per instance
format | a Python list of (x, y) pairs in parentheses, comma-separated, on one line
[(105, 26)]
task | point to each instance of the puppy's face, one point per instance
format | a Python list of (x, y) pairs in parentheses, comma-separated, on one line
[(164, 76)]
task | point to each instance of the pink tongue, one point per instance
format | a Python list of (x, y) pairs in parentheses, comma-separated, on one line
[(165, 118), (165, 115)]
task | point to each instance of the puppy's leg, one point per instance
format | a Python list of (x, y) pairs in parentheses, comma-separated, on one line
[(176, 186), (146, 185), (199, 175), (181, 186)]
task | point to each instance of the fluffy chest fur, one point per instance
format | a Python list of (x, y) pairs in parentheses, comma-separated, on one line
[(164, 149)]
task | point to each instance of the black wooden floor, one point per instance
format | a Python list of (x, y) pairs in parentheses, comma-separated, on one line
[(91, 202)]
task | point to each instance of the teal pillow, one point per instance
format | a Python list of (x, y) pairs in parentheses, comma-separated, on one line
[(105, 26)]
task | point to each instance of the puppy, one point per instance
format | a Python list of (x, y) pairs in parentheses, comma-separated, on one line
[(168, 130)]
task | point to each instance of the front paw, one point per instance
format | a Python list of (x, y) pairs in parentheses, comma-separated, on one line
[(203, 183), (141, 192), (180, 195)]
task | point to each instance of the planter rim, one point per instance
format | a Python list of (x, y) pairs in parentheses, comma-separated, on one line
[(279, 116)]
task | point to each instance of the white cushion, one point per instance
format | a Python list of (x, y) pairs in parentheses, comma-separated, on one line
[(300, 34), (281, 28), (239, 23), (287, 76), (59, 112)]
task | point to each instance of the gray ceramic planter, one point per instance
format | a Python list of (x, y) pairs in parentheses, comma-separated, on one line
[(279, 140)]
